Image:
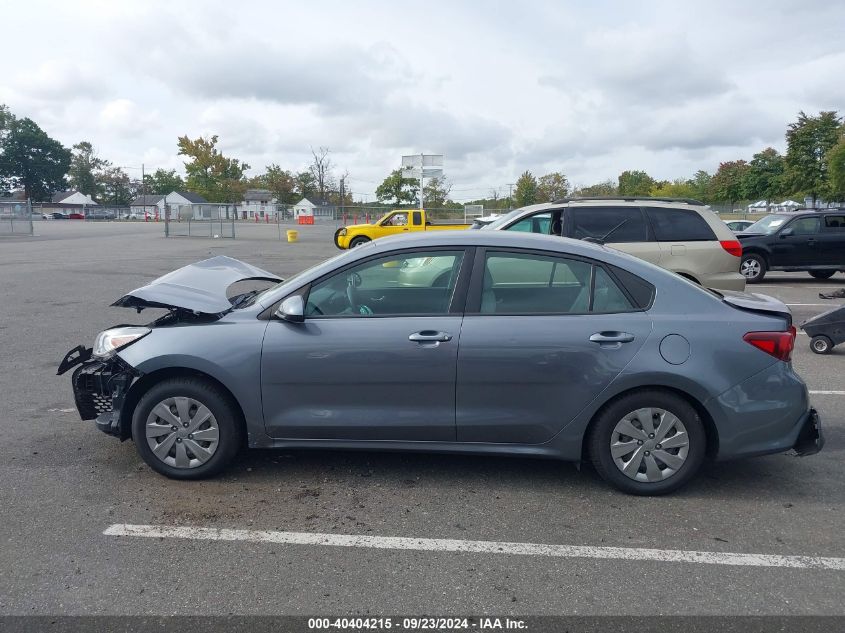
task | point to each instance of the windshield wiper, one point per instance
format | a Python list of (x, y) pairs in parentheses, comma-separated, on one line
[(601, 240), (241, 299)]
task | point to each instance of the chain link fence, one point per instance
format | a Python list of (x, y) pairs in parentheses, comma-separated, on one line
[(200, 220), (16, 218)]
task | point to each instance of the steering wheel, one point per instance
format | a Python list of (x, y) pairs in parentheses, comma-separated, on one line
[(353, 282)]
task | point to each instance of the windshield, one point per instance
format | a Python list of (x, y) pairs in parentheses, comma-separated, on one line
[(503, 220), (294, 278), (767, 225)]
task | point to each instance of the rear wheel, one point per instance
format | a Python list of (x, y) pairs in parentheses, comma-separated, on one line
[(753, 268), (821, 344), (186, 428), (822, 274), (358, 241), (648, 442)]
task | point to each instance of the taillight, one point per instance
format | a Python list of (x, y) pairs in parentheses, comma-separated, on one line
[(732, 246), (777, 344)]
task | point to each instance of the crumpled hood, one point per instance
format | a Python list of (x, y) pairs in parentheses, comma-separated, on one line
[(199, 287)]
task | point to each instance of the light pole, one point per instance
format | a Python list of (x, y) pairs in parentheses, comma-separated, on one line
[(422, 166)]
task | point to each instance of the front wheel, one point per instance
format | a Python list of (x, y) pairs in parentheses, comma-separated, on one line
[(647, 443), (186, 428), (821, 344), (822, 274), (753, 268), (358, 241)]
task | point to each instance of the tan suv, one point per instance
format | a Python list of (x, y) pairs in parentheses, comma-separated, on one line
[(681, 235)]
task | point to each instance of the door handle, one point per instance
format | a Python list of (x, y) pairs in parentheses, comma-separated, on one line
[(611, 337), (430, 336)]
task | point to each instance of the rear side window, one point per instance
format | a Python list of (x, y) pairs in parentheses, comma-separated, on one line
[(835, 222), (538, 223), (610, 224), (679, 225)]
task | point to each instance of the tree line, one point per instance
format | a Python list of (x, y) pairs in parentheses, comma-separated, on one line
[(813, 165)]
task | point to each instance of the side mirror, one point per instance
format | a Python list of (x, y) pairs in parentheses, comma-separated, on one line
[(292, 309), (787, 232)]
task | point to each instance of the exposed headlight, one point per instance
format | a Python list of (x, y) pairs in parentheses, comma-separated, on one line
[(108, 341)]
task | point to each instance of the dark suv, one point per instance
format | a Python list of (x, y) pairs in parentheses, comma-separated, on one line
[(812, 241)]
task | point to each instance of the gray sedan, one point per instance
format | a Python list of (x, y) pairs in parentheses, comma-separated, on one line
[(521, 344)]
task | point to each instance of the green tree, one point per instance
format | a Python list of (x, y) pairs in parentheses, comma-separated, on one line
[(764, 178), (436, 193), (280, 182), (700, 184), (678, 188), (115, 188), (635, 183), (397, 189), (606, 188), (163, 181), (306, 187), (210, 173), (727, 185), (526, 190), (836, 169), (808, 140), (85, 166), (552, 187), (30, 159)]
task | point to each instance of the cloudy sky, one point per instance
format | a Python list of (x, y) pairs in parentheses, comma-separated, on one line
[(587, 88)]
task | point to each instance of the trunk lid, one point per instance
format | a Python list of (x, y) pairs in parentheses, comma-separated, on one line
[(199, 287), (753, 302)]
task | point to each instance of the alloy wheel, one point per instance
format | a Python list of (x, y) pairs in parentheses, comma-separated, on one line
[(182, 432), (750, 268), (649, 445)]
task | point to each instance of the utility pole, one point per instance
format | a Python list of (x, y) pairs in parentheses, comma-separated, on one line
[(510, 195), (342, 194)]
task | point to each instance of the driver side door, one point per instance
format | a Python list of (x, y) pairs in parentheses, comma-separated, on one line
[(375, 358)]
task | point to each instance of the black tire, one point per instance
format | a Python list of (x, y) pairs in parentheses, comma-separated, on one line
[(603, 425), (755, 262), (358, 241), (821, 344), (822, 274), (336, 236), (226, 415)]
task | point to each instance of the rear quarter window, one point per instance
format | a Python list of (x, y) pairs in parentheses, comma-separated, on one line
[(679, 225)]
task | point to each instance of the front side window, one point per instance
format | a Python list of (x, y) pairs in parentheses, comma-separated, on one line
[(679, 225), (516, 283), (418, 283), (805, 226), (397, 219), (607, 224)]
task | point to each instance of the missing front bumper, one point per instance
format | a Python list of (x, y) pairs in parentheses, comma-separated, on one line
[(810, 438), (99, 389)]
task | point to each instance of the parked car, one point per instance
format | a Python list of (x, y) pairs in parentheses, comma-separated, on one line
[(481, 222), (392, 223), (738, 226), (536, 346), (681, 235), (59, 216), (808, 241), (75, 216)]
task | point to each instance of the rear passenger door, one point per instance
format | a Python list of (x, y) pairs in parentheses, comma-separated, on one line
[(798, 244), (542, 336), (832, 240), (687, 243), (622, 228)]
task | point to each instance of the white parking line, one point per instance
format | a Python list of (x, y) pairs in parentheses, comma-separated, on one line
[(476, 547), (811, 304), (828, 393)]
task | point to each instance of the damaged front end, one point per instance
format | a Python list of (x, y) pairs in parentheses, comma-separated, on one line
[(194, 294), (99, 387)]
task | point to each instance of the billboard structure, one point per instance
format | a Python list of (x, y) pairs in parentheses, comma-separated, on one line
[(422, 166)]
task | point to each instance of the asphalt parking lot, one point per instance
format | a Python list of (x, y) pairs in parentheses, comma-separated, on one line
[(65, 484)]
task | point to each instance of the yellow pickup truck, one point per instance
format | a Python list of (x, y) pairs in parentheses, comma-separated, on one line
[(392, 223)]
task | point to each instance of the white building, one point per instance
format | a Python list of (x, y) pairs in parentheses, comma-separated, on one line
[(72, 198), (257, 202), (183, 205), (315, 207)]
